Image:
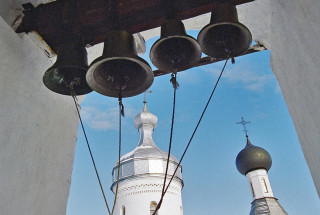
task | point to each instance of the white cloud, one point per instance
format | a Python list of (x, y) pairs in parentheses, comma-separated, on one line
[(104, 119), (250, 80), (188, 77)]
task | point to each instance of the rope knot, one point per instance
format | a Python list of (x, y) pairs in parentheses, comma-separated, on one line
[(120, 103), (174, 81), (121, 109)]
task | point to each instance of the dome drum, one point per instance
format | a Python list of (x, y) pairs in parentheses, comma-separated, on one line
[(139, 167)]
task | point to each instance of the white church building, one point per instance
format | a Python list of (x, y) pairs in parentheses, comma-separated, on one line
[(142, 175)]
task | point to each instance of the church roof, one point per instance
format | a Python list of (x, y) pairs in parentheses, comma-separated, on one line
[(268, 206), (146, 160)]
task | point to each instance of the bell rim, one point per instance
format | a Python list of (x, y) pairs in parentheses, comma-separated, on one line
[(136, 59), (238, 24), (190, 38), (61, 88)]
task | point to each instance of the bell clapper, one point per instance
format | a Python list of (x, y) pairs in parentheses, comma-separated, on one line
[(121, 85), (68, 80), (72, 91), (229, 49), (230, 56)]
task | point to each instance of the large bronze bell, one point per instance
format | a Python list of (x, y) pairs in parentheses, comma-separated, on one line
[(119, 67), (69, 70), (224, 36), (175, 50)]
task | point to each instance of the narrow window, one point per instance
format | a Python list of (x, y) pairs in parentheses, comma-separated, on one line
[(181, 211), (153, 206), (252, 190), (265, 188), (123, 210)]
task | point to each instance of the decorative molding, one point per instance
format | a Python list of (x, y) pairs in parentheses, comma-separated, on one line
[(147, 188), (146, 175)]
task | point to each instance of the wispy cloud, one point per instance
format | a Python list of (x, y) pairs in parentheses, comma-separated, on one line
[(189, 77), (248, 79), (104, 119)]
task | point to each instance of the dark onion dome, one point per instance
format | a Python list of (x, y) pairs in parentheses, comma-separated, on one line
[(252, 158)]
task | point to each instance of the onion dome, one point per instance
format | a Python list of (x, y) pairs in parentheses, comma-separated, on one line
[(146, 160), (252, 158), (145, 118)]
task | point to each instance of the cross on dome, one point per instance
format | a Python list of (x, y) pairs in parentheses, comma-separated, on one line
[(145, 96), (244, 123)]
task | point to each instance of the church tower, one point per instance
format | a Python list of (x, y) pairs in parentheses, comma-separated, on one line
[(254, 162), (142, 173)]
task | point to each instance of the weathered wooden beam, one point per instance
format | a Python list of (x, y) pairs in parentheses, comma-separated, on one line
[(91, 19)]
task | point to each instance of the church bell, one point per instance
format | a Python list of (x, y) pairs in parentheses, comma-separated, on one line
[(175, 50), (69, 70), (119, 67), (224, 36)]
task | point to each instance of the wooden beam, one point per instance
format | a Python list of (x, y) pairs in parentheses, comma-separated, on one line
[(209, 60), (91, 19)]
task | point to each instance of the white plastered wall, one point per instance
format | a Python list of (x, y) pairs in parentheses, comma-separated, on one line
[(295, 46), (38, 132), (136, 195)]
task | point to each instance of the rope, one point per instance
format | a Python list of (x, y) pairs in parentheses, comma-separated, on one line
[(187, 147), (121, 114), (173, 76), (85, 135)]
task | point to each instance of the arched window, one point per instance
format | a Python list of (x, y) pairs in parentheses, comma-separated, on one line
[(153, 206)]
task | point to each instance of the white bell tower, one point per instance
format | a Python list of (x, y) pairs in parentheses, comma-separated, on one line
[(142, 173)]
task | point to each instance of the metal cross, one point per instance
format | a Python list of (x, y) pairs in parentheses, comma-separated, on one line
[(145, 96), (244, 123)]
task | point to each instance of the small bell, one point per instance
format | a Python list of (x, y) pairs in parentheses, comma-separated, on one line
[(224, 36), (175, 50), (69, 70), (119, 67)]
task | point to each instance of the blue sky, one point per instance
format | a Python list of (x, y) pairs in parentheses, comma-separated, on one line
[(212, 183)]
